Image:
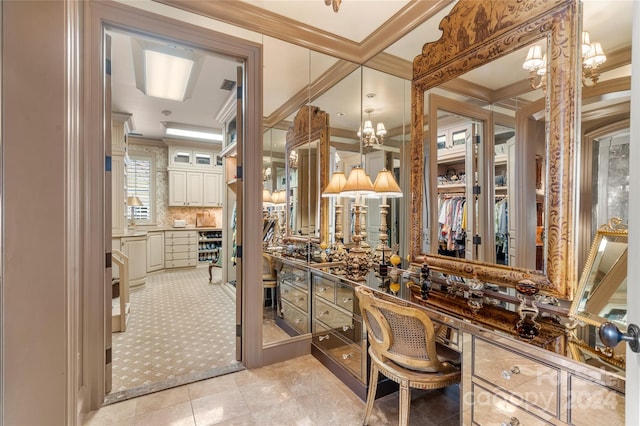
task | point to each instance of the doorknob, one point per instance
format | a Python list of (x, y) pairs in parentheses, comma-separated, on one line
[(611, 335)]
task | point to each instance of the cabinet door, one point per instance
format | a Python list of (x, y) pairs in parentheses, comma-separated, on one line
[(177, 188), (136, 250), (155, 251), (195, 189), (180, 157), (213, 189)]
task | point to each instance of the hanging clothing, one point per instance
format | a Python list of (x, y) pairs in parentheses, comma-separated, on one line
[(452, 218), (501, 218)]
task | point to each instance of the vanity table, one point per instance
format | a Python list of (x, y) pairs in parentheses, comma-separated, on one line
[(506, 379)]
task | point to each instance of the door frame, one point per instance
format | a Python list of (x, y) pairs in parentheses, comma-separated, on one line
[(98, 16)]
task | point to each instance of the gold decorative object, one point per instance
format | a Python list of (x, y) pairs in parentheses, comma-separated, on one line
[(358, 185)]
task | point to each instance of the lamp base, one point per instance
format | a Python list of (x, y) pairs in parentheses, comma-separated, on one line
[(358, 264)]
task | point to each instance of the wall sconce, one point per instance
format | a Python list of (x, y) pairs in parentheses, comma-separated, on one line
[(293, 160), (592, 57), (133, 202)]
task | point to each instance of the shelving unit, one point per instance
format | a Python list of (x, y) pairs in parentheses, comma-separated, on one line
[(210, 245)]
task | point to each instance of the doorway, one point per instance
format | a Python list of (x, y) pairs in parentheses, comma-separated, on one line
[(180, 322)]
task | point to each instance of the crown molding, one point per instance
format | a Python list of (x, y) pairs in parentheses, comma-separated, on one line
[(262, 21)]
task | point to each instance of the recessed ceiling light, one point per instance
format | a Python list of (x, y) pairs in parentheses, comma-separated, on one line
[(192, 132)]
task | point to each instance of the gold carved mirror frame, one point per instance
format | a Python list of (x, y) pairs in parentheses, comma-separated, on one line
[(508, 25), (310, 124)]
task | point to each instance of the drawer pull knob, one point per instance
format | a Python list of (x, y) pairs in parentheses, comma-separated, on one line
[(347, 356), (300, 299), (322, 289), (347, 327), (506, 374), (321, 338), (513, 422), (323, 313), (298, 320), (347, 300)]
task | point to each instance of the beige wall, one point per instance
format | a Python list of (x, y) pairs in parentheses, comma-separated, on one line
[(34, 345)]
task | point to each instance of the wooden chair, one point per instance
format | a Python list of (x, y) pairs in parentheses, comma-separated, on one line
[(402, 346)]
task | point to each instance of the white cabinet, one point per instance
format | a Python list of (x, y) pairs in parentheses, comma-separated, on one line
[(181, 249), (155, 251), (135, 248), (189, 158), (195, 189), (213, 189)]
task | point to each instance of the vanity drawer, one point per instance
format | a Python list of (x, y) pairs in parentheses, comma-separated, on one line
[(593, 404), (298, 278), (294, 317), (490, 409), (180, 235), (180, 255), (523, 377), (181, 263), (346, 298), (294, 295), (324, 288), (345, 353), (330, 316)]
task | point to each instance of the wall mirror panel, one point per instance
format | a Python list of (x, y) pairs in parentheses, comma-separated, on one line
[(439, 67)]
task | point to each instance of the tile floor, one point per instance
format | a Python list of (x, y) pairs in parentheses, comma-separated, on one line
[(300, 391)]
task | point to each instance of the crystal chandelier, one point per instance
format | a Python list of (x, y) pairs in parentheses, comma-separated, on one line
[(371, 138), (335, 4)]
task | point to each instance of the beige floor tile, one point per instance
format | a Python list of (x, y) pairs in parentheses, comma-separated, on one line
[(219, 407), (264, 394), (246, 420), (212, 386), (285, 413), (159, 400), (112, 414), (175, 415)]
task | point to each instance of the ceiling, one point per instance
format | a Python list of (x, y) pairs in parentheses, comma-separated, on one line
[(287, 68)]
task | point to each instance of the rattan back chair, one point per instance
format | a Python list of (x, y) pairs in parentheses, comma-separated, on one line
[(402, 346)]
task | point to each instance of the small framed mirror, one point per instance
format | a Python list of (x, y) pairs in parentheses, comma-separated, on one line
[(602, 290), (602, 297), (307, 154)]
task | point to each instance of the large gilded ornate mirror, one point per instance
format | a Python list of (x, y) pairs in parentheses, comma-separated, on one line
[(477, 35), (307, 165), (602, 297)]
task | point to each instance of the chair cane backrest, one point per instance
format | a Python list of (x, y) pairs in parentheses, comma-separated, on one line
[(402, 334)]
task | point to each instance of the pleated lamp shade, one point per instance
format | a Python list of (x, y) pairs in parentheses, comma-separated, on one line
[(386, 185), (358, 184), (337, 182), (266, 198)]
